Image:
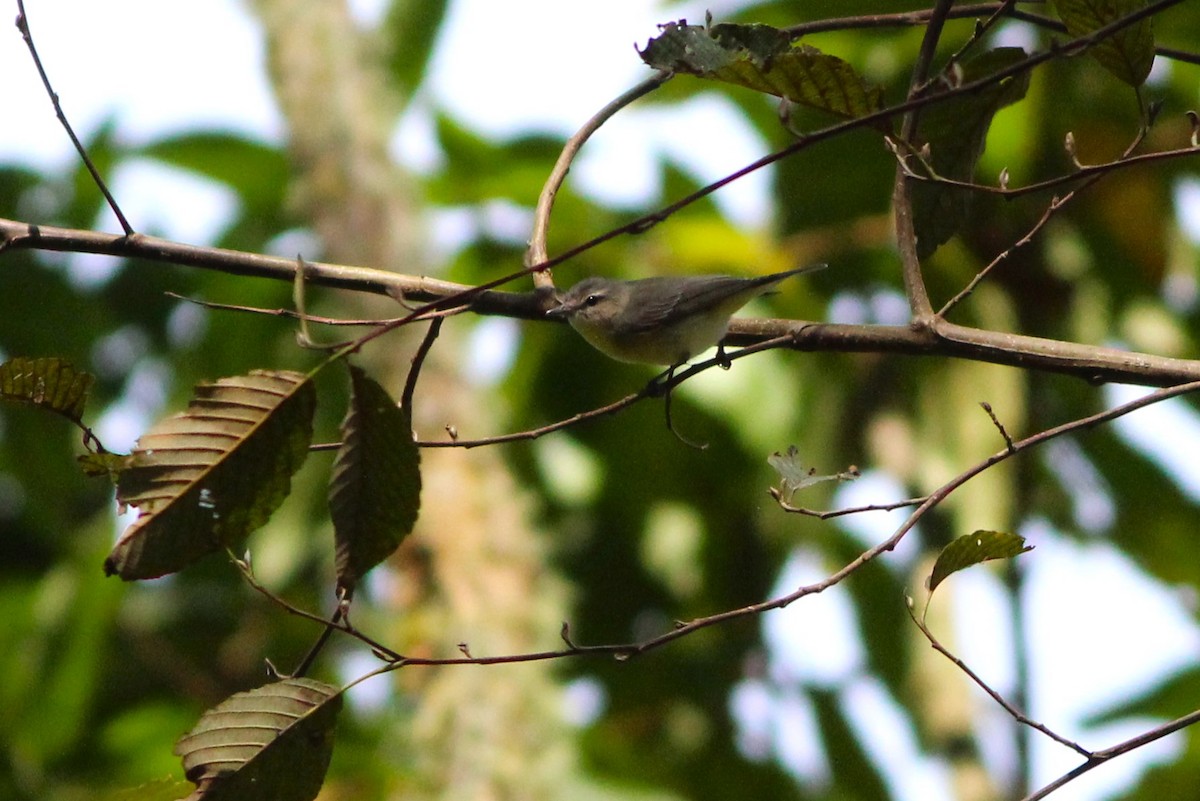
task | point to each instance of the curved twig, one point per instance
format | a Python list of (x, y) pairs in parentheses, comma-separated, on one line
[(537, 252), (23, 27)]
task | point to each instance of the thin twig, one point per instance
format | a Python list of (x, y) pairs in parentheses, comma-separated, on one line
[(623, 651), (537, 252), (906, 232), (535, 433), (312, 318), (1015, 713), (309, 658), (336, 622), (1082, 172), (1100, 757), (683, 629), (911, 19), (418, 359), (987, 407), (656, 387), (1056, 203), (829, 514), (23, 27), (919, 82), (981, 29), (277, 312)]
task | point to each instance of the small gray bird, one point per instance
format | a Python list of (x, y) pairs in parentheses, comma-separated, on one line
[(664, 320)]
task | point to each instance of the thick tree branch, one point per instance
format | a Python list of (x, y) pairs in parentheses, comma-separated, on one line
[(1092, 363)]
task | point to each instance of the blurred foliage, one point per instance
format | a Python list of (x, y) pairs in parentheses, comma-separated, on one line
[(101, 678)]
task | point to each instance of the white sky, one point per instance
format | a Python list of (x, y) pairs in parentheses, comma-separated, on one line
[(157, 68)]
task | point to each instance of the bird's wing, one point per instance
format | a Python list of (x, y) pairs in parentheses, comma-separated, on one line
[(661, 307)]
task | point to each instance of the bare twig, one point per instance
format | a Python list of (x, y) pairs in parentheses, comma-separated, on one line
[(987, 407), (1016, 714), (309, 658), (918, 83), (1081, 172), (683, 629), (1098, 758), (537, 252), (829, 514), (418, 359), (23, 27), (624, 651), (658, 386), (279, 312), (337, 621), (1056, 203)]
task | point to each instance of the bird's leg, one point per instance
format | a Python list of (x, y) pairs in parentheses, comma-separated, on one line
[(723, 357)]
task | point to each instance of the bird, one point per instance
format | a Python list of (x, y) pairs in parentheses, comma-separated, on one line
[(664, 320)]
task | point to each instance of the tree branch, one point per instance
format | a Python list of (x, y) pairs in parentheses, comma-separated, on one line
[(1089, 362)]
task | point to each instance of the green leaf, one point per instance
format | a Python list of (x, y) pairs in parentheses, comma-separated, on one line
[(51, 384), (763, 58), (955, 131), (205, 478), (972, 549), (857, 776), (256, 171), (479, 170), (1164, 700), (412, 27), (376, 489), (1127, 54), (104, 464), (271, 742)]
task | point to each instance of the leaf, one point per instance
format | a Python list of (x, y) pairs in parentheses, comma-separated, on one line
[(1164, 699), (52, 384), (104, 464), (205, 478), (858, 775), (972, 549), (1127, 54), (794, 476), (955, 131), (763, 58), (412, 27), (271, 742), (256, 171), (376, 488)]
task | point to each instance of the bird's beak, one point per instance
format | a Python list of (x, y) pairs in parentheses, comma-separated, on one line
[(560, 311)]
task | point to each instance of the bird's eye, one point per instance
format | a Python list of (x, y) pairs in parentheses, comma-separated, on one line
[(592, 300)]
